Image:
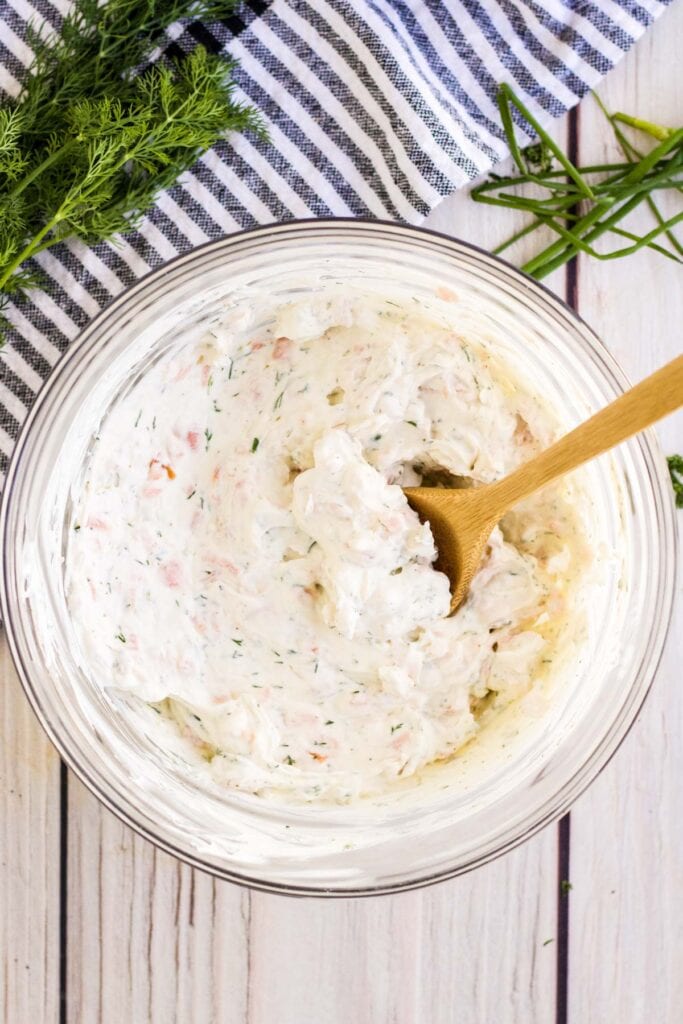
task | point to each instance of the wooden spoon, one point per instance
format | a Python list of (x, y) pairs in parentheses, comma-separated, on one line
[(461, 520)]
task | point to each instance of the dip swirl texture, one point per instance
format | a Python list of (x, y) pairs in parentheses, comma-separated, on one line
[(242, 557)]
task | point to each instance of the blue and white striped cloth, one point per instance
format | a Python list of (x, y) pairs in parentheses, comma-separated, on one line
[(374, 108)]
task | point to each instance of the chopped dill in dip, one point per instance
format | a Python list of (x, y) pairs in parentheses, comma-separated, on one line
[(242, 558)]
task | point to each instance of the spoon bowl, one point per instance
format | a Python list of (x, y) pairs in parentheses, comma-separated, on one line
[(461, 520)]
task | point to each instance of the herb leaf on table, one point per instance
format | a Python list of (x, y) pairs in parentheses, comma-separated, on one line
[(675, 463)]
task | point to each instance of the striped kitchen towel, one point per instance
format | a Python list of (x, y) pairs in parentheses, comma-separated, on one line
[(374, 108)]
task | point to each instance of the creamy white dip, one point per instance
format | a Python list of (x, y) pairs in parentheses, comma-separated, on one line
[(242, 557)]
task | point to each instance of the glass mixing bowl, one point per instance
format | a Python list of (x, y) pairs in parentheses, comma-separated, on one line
[(501, 790)]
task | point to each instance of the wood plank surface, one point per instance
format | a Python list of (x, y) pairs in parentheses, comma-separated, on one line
[(150, 941), (462, 952), (626, 931), (29, 860)]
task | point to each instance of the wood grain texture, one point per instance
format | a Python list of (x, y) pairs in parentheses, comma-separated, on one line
[(29, 860), (626, 934), (467, 951), (149, 939)]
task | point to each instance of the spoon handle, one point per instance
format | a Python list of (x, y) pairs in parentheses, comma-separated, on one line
[(656, 396)]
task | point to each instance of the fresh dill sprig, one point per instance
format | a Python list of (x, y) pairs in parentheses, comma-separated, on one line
[(580, 204), (98, 131)]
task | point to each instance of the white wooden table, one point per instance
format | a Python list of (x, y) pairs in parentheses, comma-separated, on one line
[(97, 927)]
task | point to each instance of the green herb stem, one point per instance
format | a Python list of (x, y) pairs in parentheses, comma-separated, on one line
[(577, 211), (53, 158), (631, 153), (33, 247), (522, 233), (657, 131), (506, 100)]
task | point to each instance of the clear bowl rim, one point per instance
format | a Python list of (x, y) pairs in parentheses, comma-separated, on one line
[(595, 761)]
